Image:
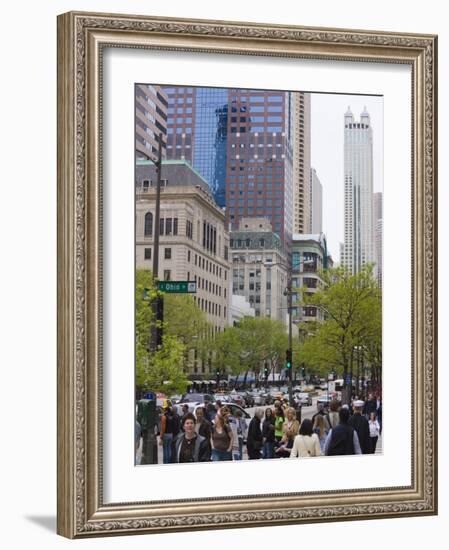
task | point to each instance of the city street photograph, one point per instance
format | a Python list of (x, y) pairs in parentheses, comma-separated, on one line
[(258, 274)]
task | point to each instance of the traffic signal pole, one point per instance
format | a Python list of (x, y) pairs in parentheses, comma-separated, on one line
[(156, 336), (290, 332)]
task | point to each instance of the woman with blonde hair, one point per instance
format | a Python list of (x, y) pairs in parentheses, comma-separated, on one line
[(319, 429), (306, 444), (290, 430)]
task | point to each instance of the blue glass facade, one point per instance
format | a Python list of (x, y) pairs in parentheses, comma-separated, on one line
[(240, 141), (210, 138)]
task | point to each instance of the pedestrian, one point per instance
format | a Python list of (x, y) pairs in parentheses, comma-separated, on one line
[(374, 431), (170, 426), (222, 439), (290, 430), (321, 411), (333, 417), (137, 438), (379, 412), (242, 430), (306, 443), (370, 406), (343, 439), (226, 412), (268, 434), (320, 430), (203, 427), (279, 420), (210, 412), (254, 439), (360, 425), (188, 445)]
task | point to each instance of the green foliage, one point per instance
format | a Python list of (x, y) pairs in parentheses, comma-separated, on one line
[(352, 306), (161, 371), (185, 321), (250, 344)]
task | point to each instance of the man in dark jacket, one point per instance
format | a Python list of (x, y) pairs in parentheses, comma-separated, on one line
[(190, 446), (343, 439), (370, 406), (361, 426), (254, 441)]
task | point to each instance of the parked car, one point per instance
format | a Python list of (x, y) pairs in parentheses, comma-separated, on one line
[(304, 398), (196, 397), (247, 397), (223, 397)]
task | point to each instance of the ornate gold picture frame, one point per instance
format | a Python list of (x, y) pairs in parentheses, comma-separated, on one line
[(82, 39)]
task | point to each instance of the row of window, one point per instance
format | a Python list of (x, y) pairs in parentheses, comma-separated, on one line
[(167, 226), (209, 237), (208, 286), (254, 287), (208, 265), (210, 307)]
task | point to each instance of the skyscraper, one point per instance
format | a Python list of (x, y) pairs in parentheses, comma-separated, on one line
[(151, 120), (378, 231), (358, 247), (251, 146), (301, 128), (316, 203)]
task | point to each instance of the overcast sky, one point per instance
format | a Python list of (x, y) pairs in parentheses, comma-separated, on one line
[(327, 122)]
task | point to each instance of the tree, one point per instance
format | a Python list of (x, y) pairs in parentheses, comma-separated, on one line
[(185, 321), (352, 320), (250, 344), (161, 371)]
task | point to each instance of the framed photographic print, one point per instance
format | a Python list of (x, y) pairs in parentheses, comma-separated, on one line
[(246, 274)]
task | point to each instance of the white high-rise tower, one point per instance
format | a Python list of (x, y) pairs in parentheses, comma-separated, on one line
[(358, 247)]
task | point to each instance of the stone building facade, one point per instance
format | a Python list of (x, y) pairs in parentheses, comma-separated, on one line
[(194, 244), (259, 268)]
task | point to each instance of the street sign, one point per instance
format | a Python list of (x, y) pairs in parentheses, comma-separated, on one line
[(177, 287)]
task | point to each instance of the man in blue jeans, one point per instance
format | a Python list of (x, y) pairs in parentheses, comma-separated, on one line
[(169, 430)]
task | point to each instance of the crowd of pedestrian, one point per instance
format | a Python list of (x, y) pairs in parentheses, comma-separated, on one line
[(213, 433)]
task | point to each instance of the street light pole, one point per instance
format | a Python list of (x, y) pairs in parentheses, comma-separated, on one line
[(156, 335), (290, 331)]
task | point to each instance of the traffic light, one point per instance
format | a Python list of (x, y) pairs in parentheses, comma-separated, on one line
[(266, 372), (288, 360)]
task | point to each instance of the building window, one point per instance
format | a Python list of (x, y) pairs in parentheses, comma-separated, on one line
[(188, 255), (148, 224), (168, 226), (167, 253), (175, 226), (167, 274), (161, 226), (147, 253)]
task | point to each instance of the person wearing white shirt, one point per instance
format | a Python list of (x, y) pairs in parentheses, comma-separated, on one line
[(307, 443), (374, 431)]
